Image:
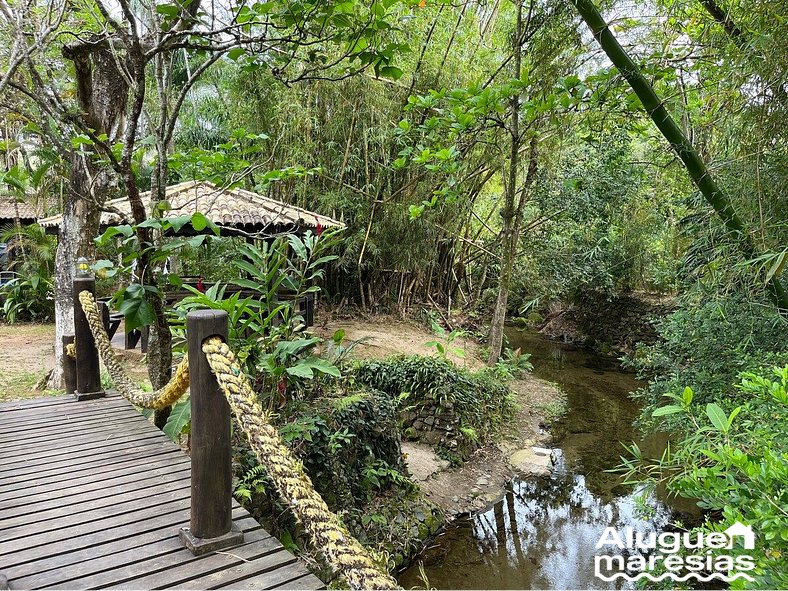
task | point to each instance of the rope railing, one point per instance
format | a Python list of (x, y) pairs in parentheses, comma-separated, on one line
[(161, 398), (343, 553)]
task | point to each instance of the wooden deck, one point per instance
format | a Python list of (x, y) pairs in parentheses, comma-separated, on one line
[(93, 496)]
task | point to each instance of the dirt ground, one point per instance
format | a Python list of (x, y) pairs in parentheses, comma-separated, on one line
[(26, 356), (480, 481), (383, 336)]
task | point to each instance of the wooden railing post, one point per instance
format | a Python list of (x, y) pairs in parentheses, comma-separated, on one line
[(211, 527), (88, 374)]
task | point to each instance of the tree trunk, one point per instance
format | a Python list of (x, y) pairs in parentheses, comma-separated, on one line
[(102, 95), (80, 223), (695, 166), (508, 213)]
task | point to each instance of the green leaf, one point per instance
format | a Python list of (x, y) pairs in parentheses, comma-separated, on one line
[(137, 312), (686, 396), (391, 72), (667, 410), (180, 416), (235, 53), (717, 417), (169, 10), (305, 368), (199, 221)]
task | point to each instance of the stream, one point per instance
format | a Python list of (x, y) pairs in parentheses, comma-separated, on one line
[(542, 534)]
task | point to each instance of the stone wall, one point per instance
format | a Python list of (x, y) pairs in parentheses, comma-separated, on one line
[(609, 324), (437, 426)]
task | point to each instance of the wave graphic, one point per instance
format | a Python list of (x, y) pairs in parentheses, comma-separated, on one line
[(675, 577)]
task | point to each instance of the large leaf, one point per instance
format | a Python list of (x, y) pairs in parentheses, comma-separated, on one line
[(717, 417), (305, 368), (179, 418), (666, 410), (137, 312)]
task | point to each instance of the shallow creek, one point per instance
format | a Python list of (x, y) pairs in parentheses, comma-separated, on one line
[(542, 534)]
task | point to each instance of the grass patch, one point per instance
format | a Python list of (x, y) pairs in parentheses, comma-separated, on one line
[(20, 386)]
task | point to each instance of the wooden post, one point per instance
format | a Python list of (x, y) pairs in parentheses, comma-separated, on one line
[(88, 375), (211, 527), (69, 366)]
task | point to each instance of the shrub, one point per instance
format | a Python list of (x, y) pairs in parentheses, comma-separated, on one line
[(480, 400), (705, 345), (735, 462)]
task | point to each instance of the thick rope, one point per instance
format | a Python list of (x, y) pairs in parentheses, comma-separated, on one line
[(324, 528), (161, 398)]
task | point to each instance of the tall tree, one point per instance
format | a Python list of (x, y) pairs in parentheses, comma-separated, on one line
[(122, 49)]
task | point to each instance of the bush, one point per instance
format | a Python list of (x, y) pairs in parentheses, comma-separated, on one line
[(480, 400), (735, 462), (706, 345)]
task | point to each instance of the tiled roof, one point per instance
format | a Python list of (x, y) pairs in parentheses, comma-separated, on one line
[(224, 207), (8, 210)]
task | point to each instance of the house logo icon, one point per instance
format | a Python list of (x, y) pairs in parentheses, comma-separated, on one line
[(744, 532)]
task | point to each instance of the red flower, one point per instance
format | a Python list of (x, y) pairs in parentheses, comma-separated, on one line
[(319, 227), (200, 285)]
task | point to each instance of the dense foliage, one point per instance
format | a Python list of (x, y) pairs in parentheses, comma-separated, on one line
[(734, 461)]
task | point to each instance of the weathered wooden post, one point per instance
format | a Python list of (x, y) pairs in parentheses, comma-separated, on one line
[(69, 365), (211, 527), (88, 374)]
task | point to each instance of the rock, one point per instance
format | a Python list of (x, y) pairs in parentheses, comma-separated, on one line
[(455, 499), (429, 421), (483, 481), (419, 514), (528, 462), (475, 491)]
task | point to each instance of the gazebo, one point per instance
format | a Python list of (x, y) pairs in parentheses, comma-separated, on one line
[(12, 210), (235, 211)]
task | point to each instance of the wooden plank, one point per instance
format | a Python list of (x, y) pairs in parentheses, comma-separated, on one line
[(74, 410), (16, 426), (172, 501), (67, 517), (92, 495), (64, 424), (55, 403), (37, 475), (280, 564), (94, 561), (122, 531), (82, 448), (100, 431), (170, 572), (120, 475), (148, 573), (293, 576), (88, 501), (162, 529)]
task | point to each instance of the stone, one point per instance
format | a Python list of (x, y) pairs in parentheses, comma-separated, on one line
[(429, 421), (528, 462), (483, 481)]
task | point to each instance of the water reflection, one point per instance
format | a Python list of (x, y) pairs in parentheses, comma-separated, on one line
[(542, 534)]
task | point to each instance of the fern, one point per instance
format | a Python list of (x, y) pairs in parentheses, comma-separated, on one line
[(346, 402)]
